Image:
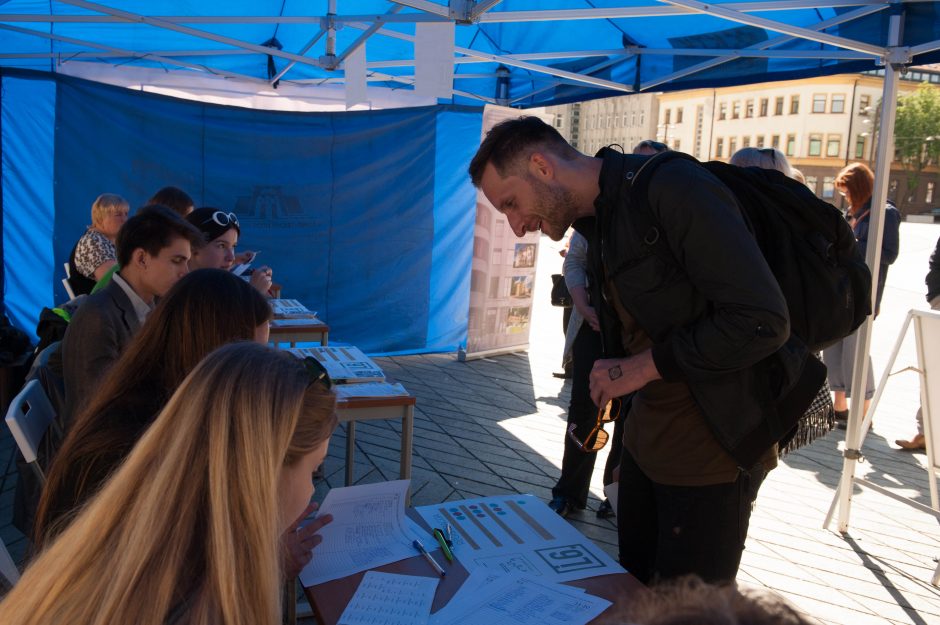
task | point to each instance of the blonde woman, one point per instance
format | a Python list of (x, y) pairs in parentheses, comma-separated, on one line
[(188, 528), (94, 254)]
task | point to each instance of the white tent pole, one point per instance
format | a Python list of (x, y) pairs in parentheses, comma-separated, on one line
[(780, 27), (426, 6), (129, 53), (873, 259), (482, 7), (303, 51), (362, 38), (776, 41), (930, 46)]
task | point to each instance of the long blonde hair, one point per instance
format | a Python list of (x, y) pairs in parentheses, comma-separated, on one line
[(187, 529)]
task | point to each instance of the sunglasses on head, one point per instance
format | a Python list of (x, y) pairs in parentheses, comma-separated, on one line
[(317, 372), (771, 151), (598, 436), (223, 219)]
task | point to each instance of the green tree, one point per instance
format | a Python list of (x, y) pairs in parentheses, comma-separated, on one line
[(917, 134)]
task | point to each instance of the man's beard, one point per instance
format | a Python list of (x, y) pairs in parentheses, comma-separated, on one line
[(556, 207)]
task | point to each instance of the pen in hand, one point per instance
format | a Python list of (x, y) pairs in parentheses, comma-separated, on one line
[(427, 556)]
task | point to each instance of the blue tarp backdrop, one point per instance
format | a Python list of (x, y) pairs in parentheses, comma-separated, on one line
[(366, 217)]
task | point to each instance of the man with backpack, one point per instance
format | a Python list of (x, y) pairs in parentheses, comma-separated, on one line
[(695, 324)]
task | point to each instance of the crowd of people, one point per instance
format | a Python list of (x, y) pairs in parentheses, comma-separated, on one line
[(179, 490)]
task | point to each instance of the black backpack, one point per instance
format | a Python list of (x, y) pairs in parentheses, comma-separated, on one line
[(807, 243)]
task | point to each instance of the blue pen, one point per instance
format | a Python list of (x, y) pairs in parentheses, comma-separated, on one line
[(427, 556)]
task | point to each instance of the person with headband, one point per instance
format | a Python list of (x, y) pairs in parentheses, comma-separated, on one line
[(188, 528), (221, 231)]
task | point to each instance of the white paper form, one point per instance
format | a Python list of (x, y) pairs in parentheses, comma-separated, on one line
[(370, 389), (522, 601), (518, 534), (369, 529), (390, 599)]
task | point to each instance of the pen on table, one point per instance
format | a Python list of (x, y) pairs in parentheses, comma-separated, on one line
[(427, 556), (442, 541)]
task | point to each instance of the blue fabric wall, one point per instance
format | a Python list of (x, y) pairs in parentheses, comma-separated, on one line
[(366, 217)]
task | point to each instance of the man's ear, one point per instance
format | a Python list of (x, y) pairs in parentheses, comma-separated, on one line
[(541, 166), (140, 258)]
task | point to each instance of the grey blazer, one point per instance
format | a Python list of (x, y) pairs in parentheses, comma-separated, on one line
[(97, 334)]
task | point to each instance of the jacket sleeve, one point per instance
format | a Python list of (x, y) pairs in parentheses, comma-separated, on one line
[(576, 262), (746, 319), (91, 345), (891, 239)]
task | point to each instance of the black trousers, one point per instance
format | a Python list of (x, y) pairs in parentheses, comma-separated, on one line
[(576, 465), (668, 531)]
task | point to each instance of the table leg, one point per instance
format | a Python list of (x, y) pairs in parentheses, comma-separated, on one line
[(407, 432), (350, 451), (325, 339)]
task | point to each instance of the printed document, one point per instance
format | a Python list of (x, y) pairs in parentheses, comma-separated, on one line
[(369, 529), (390, 599)]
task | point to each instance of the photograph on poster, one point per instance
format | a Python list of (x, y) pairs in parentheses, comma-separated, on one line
[(517, 319), (521, 286), (524, 256)]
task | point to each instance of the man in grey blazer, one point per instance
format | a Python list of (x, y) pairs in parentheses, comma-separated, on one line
[(153, 251)]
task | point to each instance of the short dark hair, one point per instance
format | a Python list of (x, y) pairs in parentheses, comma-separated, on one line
[(173, 198), (510, 139), (153, 228)]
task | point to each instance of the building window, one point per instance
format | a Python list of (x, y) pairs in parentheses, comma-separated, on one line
[(775, 141), (794, 104), (864, 104), (679, 115), (778, 106), (722, 111), (675, 145), (811, 183), (759, 141), (833, 145), (624, 122), (749, 108), (667, 116), (819, 103), (719, 147), (893, 190), (815, 145), (791, 145), (607, 125), (732, 146), (764, 102), (642, 117), (838, 104), (829, 187), (735, 110), (929, 197), (860, 147), (746, 141)]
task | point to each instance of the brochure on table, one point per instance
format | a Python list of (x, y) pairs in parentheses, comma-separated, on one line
[(518, 534), (369, 529), (344, 364), (288, 307)]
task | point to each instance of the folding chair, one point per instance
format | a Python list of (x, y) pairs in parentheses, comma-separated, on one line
[(28, 418), (8, 566)]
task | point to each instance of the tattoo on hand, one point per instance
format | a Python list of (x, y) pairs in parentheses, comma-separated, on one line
[(615, 372)]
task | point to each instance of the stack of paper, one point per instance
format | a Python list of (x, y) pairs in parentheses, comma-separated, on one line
[(287, 307), (370, 389), (296, 321), (369, 529), (344, 364), (518, 600)]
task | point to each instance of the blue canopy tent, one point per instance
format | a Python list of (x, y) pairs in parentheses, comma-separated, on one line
[(373, 206)]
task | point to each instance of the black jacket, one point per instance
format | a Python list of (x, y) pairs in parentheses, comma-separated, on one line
[(933, 276), (717, 317)]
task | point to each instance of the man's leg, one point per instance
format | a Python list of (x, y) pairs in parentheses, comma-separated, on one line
[(576, 465), (702, 529), (636, 520)]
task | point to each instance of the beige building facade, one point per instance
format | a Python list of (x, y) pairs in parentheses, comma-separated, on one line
[(821, 124)]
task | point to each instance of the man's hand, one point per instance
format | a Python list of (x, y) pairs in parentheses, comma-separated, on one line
[(616, 377), (299, 541)]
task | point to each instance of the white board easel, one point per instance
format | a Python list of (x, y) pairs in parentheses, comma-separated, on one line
[(926, 333)]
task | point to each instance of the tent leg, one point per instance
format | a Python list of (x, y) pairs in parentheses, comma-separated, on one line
[(854, 435), (847, 481)]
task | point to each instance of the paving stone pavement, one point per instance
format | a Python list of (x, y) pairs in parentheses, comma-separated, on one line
[(495, 425)]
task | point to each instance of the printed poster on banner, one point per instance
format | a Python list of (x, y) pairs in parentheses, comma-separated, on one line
[(503, 270)]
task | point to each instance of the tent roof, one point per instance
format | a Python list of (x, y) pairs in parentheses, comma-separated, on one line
[(529, 52)]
